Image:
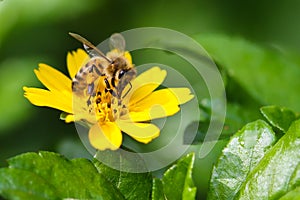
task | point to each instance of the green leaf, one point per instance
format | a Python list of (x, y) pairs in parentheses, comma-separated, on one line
[(177, 181), (267, 75), (21, 184), (292, 195), (236, 117), (131, 185), (244, 150), (278, 172), (48, 175), (157, 190), (63, 116), (278, 117), (295, 178)]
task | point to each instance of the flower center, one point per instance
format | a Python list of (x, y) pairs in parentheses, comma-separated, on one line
[(102, 106), (107, 107)]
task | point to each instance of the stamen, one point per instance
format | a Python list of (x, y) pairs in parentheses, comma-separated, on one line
[(107, 107)]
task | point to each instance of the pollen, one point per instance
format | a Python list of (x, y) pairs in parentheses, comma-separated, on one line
[(107, 107), (103, 113), (102, 104)]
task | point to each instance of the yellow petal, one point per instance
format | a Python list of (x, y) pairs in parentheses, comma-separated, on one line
[(128, 57), (105, 136), (41, 97), (160, 103), (75, 60), (183, 94), (155, 112), (69, 118), (52, 78), (141, 132), (144, 84)]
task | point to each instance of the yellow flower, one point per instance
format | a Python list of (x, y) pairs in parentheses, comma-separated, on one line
[(133, 115)]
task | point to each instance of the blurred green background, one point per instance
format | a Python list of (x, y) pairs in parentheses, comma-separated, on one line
[(34, 31)]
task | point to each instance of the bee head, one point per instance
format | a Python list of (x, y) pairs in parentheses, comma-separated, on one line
[(119, 62), (122, 72)]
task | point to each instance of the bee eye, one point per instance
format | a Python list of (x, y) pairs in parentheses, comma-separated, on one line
[(121, 73)]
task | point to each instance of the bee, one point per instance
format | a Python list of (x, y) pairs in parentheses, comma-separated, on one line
[(113, 70)]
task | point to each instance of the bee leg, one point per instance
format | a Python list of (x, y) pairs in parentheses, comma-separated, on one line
[(128, 90), (108, 87), (91, 87), (88, 102), (107, 84), (95, 69), (90, 91)]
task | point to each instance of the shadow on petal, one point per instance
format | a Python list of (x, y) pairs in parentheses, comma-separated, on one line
[(105, 136), (144, 84), (141, 132)]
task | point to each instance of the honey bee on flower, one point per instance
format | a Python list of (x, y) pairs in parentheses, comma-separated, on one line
[(111, 67), (106, 94)]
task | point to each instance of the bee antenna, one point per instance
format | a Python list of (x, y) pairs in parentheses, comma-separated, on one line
[(88, 45)]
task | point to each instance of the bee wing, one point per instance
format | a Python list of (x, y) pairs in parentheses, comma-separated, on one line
[(90, 50), (89, 47), (117, 41)]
